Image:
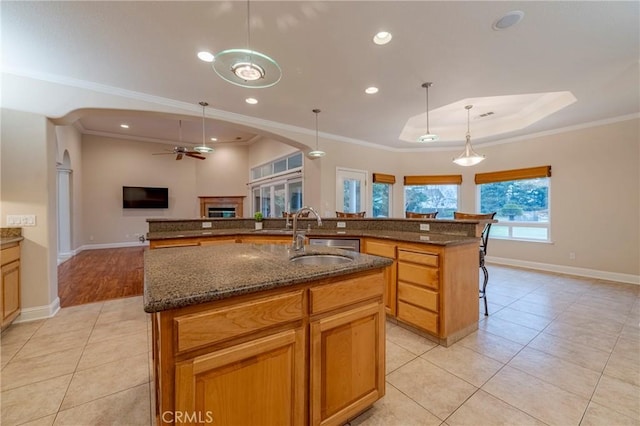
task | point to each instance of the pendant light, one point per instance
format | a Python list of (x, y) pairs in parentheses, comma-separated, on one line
[(246, 67), (316, 152), (204, 149), (468, 157), (428, 136)]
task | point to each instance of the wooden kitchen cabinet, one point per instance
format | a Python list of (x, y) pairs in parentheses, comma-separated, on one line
[(314, 355), (260, 382), (10, 284), (386, 249), (266, 239)]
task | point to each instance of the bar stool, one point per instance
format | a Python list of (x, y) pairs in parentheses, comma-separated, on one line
[(344, 214), (484, 239), (414, 215)]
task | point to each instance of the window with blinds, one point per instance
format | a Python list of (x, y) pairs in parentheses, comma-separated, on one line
[(382, 194), (520, 199), (430, 193)]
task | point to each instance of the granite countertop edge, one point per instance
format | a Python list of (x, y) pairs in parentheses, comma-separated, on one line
[(172, 280), (8, 240), (409, 237)]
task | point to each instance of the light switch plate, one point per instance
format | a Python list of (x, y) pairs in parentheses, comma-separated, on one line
[(424, 226), (341, 224), (206, 224)]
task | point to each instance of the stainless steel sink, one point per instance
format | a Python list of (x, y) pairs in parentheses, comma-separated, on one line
[(321, 259)]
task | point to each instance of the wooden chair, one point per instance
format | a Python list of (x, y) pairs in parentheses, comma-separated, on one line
[(414, 215), (484, 239), (343, 214), (290, 215)]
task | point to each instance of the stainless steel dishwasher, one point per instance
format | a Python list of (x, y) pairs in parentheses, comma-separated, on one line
[(352, 244)]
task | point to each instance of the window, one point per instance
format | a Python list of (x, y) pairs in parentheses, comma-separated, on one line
[(277, 186), (520, 199), (382, 194), (424, 194)]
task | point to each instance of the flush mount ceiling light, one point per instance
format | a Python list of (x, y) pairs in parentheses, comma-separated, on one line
[(246, 67), (428, 136), (204, 149), (468, 157), (383, 37), (316, 153)]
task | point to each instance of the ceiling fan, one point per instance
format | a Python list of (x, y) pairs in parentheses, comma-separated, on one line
[(181, 151)]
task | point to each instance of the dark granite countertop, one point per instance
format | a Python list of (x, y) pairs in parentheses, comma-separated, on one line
[(184, 276), (410, 237), (8, 240)]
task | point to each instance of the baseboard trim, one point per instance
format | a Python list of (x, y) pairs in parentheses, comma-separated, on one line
[(38, 312), (568, 270), (111, 245)]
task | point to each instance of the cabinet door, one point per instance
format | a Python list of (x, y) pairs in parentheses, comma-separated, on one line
[(347, 363), (260, 382), (265, 239), (10, 292)]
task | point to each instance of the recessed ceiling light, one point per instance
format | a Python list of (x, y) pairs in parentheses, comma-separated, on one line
[(124, 126), (508, 20), (251, 101), (214, 139), (383, 37), (371, 90), (206, 56)]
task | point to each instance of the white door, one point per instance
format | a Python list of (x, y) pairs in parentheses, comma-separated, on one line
[(351, 190)]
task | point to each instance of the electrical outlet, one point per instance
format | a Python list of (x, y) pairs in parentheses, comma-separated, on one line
[(206, 224), (572, 256), (21, 220), (424, 226), (341, 224)]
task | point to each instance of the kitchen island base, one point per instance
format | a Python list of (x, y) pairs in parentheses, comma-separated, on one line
[(313, 353)]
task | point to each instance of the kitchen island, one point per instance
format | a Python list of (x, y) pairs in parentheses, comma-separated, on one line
[(244, 335)]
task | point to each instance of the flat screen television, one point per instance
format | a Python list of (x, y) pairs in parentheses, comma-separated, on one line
[(138, 197)]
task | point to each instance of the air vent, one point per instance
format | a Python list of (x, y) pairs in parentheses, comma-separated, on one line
[(486, 114)]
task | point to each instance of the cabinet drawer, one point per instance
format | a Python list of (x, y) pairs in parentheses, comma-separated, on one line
[(10, 254), (421, 258), (203, 328), (419, 317), (418, 296), (418, 274), (187, 242), (332, 296), (381, 249)]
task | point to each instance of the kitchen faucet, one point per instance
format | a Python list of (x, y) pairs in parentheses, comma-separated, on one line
[(298, 238)]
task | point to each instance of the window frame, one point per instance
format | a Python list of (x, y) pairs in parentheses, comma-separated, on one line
[(433, 180)]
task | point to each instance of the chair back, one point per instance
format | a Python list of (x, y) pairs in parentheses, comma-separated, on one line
[(414, 215), (344, 214), (303, 214), (484, 237)]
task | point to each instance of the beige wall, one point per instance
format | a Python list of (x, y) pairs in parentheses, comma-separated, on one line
[(28, 186)]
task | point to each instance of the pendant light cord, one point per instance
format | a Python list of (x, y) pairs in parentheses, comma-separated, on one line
[(316, 111), (427, 108), (249, 31), (203, 105)]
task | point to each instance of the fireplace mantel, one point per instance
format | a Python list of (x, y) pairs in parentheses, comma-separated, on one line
[(234, 202)]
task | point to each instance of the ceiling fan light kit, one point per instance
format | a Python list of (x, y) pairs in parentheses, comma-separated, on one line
[(468, 157), (316, 153), (428, 136)]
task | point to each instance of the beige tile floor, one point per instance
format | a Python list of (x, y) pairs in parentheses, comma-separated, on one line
[(556, 350)]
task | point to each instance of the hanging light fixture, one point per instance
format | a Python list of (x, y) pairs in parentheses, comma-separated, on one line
[(316, 152), (428, 136), (204, 149), (468, 157), (246, 67)]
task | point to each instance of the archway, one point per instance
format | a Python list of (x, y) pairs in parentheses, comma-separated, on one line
[(64, 208)]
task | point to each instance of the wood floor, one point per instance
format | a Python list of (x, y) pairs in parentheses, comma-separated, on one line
[(95, 275)]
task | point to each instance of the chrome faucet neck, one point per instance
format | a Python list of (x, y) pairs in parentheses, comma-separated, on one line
[(298, 242)]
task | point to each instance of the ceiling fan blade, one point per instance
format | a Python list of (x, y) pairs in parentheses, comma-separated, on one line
[(192, 155), (179, 157)]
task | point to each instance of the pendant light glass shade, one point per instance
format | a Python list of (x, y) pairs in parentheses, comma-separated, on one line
[(468, 157), (246, 67), (316, 152), (428, 136), (204, 149)]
